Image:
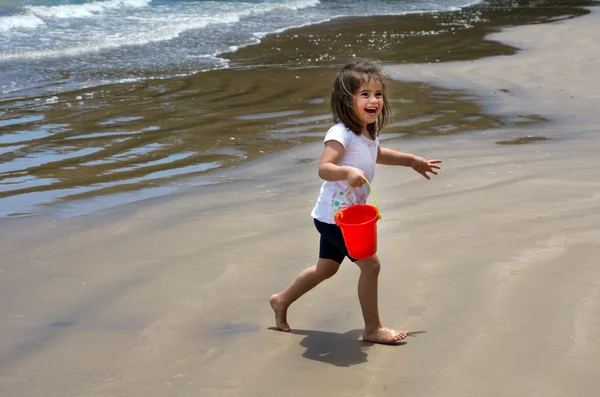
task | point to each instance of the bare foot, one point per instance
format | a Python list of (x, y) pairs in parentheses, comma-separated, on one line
[(384, 335), (280, 314)]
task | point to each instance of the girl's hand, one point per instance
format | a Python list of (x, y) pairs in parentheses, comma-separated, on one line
[(423, 166), (356, 177)]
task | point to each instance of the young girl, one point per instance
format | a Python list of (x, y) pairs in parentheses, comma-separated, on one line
[(360, 110)]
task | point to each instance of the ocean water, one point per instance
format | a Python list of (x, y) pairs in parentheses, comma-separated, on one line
[(57, 45), (108, 102)]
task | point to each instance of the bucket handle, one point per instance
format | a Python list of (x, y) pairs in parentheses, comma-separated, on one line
[(335, 211)]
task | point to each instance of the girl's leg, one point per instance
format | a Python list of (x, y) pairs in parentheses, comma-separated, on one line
[(304, 282), (367, 295)]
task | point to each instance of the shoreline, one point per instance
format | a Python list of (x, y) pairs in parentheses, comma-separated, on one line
[(171, 137), (569, 97), (490, 266)]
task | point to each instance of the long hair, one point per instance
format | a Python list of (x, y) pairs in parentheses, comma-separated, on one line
[(345, 87)]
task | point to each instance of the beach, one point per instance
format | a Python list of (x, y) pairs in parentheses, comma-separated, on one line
[(70, 151), (490, 266)]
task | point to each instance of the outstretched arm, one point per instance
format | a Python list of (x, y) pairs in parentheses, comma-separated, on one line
[(387, 156)]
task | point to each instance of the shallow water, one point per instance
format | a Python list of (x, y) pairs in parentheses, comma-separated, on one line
[(144, 138), (50, 45)]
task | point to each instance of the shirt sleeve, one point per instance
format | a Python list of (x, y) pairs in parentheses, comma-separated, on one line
[(340, 134)]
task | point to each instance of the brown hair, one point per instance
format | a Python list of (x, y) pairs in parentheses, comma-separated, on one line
[(346, 85)]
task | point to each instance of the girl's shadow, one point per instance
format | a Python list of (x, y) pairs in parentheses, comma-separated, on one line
[(341, 350)]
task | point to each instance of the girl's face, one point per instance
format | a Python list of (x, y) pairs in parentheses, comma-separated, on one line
[(368, 102)]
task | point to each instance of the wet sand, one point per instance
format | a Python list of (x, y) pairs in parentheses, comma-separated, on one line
[(120, 143), (491, 266)]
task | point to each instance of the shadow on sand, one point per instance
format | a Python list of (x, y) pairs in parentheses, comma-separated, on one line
[(341, 350)]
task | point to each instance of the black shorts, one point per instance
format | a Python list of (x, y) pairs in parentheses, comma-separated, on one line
[(332, 244)]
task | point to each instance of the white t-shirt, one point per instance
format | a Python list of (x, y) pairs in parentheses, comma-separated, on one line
[(361, 153)]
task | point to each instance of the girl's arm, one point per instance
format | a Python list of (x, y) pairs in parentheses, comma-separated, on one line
[(329, 169), (387, 156)]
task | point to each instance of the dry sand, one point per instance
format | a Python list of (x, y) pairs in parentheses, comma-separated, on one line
[(492, 266)]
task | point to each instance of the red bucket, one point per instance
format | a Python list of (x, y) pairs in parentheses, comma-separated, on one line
[(359, 228)]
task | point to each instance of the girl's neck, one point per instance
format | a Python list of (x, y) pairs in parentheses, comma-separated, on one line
[(367, 134)]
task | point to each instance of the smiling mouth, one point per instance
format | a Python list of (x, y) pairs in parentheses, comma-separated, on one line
[(371, 111)]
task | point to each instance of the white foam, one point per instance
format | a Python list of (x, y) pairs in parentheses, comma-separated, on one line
[(143, 29), (84, 10), (141, 37), (19, 22)]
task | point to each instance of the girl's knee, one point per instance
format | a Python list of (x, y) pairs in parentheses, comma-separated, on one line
[(327, 268), (329, 272), (370, 266)]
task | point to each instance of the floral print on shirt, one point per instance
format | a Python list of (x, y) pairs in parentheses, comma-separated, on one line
[(355, 196)]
